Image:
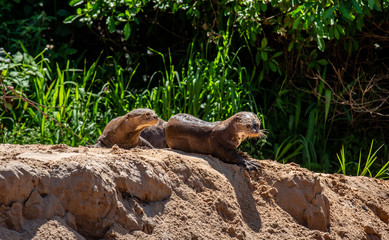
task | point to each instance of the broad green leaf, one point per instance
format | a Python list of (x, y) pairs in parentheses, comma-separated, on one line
[(371, 4), (356, 6), (127, 31), (336, 33), (277, 54), (345, 12), (331, 32), (378, 5), (296, 22), (272, 66), (340, 29), (329, 12), (18, 57), (263, 7), (111, 24), (360, 23), (96, 7), (322, 62), (258, 57), (8, 105), (263, 42), (264, 56)]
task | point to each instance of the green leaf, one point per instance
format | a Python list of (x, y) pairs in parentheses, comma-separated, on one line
[(263, 42), (356, 6), (96, 7), (290, 46), (336, 33), (322, 62), (277, 54), (74, 3), (71, 19), (320, 43), (355, 45), (111, 24), (272, 66), (18, 57), (127, 31), (8, 105), (296, 22), (371, 4), (319, 29), (360, 23), (263, 7), (264, 56), (329, 12), (340, 29), (331, 32), (127, 13), (378, 5), (345, 12), (258, 57)]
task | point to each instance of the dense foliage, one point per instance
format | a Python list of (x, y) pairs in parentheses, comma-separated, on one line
[(316, 72)]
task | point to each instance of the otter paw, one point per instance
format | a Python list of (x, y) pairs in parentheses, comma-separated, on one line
[(252, 166)]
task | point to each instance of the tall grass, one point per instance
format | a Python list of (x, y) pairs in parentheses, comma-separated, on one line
[(210, 88), (66, 101), (363, 168), (50, 100)]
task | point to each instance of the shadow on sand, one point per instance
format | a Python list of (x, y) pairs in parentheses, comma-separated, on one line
[(240, 183)]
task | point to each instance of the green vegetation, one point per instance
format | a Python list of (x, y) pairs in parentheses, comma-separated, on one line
[(315, 72)]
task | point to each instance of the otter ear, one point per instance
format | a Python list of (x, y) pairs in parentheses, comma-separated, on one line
[(238, 118)]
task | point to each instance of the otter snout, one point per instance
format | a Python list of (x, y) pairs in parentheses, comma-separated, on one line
[(256, 127), (153, 118)]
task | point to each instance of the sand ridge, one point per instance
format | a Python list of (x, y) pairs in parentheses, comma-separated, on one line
[(93, 193)]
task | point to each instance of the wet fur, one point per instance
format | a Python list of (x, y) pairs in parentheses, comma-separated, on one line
[(125, 131), (220, 139), (155, 134)]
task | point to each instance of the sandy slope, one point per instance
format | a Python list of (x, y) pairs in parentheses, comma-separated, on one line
[(89, 193)]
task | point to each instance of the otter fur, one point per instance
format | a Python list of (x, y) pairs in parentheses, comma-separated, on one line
[(125, 131), (220, 139)]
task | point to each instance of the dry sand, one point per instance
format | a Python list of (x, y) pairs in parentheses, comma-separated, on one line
[(60, 192)]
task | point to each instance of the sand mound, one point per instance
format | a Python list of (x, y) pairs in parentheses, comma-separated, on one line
[(90, 193)]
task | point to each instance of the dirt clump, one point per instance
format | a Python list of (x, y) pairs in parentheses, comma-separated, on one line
[(94, 193)]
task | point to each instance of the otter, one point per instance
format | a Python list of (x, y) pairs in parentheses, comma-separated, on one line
[(219, 139), (155, 134), (125, 131)]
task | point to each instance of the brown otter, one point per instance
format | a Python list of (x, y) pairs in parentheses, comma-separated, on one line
[(125, 131), (155, 134), (220, 139)]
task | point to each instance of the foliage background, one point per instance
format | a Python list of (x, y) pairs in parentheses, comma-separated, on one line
[(316, 72)]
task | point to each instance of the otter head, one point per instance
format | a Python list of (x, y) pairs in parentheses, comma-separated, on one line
[(247, 125), (139, 119)]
